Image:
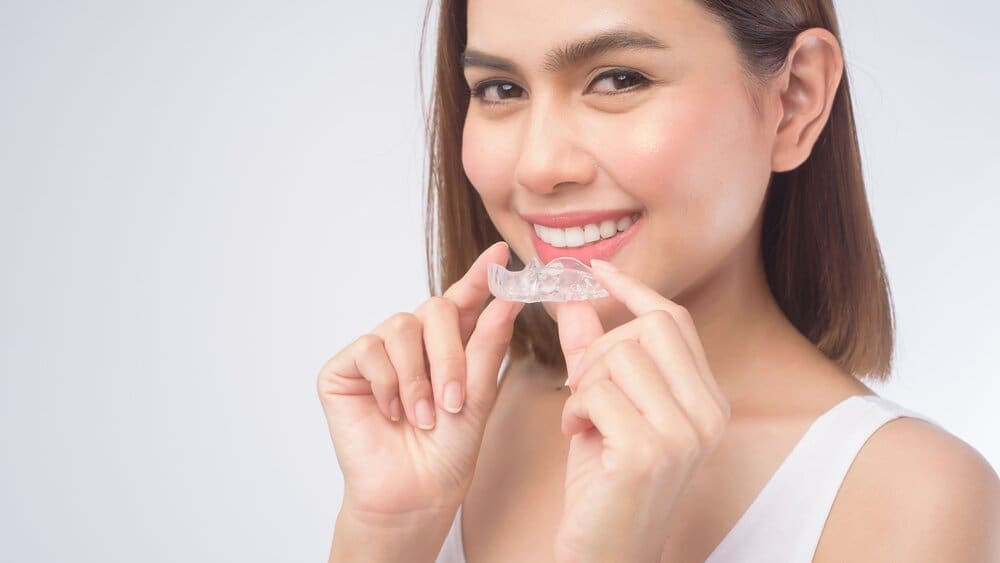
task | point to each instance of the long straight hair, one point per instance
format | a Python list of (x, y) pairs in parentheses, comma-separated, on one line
[(822, 259)]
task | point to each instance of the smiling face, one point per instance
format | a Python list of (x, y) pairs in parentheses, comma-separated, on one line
[(660, 122)]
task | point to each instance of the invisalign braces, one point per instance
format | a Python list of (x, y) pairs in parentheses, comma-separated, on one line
[(562, 279)]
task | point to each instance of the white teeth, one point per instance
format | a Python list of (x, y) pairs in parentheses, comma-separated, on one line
[(556, 237), (575, 237), (609, 229)]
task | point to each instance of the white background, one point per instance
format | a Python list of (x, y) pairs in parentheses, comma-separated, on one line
[(203, 201)]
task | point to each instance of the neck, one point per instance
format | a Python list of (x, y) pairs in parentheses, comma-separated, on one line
[(741, 326)]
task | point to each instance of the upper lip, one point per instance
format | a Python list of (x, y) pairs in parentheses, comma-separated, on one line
[(577, 218)]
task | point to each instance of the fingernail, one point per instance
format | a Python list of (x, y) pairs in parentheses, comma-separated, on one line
[(395, 410), (453, 397), (425, 414), (602, 265)]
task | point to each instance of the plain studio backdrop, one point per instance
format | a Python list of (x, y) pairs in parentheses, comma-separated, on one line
[(202, 201)]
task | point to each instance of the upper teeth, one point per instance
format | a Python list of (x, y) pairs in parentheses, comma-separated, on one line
[(578, 236)]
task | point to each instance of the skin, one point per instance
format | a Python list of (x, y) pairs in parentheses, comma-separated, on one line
[(692, 153), (688, 151)]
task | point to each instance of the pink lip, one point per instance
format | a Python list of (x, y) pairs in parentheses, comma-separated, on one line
[(602, 250), (578, 218)]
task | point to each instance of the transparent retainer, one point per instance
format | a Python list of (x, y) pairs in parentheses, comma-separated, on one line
[(562, 279)]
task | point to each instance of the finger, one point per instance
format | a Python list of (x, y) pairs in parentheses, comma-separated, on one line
[(657, 332), (403, 337), (640, 298), (471, 291), (605, 407), (658, 336), (633, 370), (485, 351), (579, 326), (700, 400), (445, 352), (362, 368)]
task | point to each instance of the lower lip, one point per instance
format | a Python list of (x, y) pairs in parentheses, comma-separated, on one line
[(602, 250)]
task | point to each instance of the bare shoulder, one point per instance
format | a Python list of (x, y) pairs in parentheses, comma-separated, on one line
[(915, 493)]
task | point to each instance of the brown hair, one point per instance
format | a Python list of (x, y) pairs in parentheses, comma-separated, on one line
[(820, 252)]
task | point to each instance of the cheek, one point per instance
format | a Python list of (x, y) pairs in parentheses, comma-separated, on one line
[(488, 161), (694, 160)]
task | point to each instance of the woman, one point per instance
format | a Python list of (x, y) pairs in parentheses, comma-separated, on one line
[(706, 150)]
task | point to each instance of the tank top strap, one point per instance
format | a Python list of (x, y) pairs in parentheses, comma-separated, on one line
[(453, 551), (503, 364), (786, 520)]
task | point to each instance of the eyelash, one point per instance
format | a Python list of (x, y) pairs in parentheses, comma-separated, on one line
[(479, 89)]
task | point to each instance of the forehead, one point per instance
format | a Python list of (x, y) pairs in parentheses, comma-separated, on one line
[(528, 29)]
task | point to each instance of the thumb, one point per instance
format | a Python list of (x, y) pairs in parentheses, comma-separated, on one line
[(579, 325), (485, 351), (471, 291)]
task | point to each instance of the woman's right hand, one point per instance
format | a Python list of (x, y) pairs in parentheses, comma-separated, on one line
[(395, 470)]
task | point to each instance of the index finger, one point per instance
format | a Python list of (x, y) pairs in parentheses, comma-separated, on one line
[(639, 298)]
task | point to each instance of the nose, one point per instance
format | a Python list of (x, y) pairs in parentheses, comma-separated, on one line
[(551, 154)]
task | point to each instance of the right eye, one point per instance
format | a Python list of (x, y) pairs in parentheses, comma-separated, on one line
[(500, 90)]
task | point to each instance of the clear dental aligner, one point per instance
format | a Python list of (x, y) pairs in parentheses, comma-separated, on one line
[(562, 279)]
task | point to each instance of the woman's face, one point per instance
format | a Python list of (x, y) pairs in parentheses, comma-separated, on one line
[(668, 131)]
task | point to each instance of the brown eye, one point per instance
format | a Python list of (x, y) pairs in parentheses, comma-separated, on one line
[(495, 92), (621, 80)]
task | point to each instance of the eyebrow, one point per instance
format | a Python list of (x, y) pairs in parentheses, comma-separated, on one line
[(566, 56)]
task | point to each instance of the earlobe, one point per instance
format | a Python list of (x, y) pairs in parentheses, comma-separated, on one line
[(811, 77)]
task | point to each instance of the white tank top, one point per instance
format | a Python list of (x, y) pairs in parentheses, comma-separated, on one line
[(785, 521)]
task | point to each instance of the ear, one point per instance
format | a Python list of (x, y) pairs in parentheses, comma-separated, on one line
[(809, 82)]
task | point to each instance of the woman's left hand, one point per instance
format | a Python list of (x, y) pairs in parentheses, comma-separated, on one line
[(644, 413)]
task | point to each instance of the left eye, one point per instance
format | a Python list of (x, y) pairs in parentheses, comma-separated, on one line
[(621, 80)]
